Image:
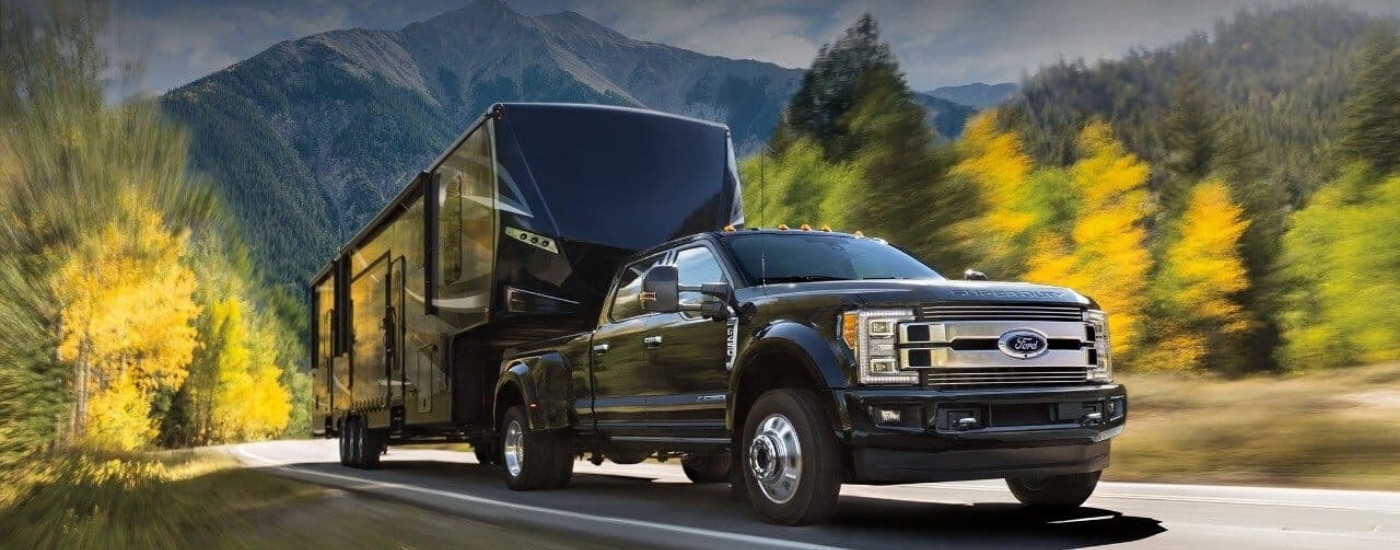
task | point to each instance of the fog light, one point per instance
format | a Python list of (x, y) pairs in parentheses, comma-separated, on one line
[(1117, 408), (889, 416)]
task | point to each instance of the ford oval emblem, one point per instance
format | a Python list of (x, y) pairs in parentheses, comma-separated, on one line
[(1023, 343)]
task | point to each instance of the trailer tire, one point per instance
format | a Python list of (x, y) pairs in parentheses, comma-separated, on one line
[(1054, 492), (701, 469), (534, 459), (344, 434), (792, 465), (372, 442), (356, 441)]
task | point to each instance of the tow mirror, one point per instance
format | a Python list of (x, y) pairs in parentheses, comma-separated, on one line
[(974, 275), (661, 290)]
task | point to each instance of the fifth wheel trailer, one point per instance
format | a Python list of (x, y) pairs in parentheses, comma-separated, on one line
[(509, 237)]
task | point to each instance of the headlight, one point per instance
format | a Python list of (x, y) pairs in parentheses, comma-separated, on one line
[(1102, 371), (870, 333)]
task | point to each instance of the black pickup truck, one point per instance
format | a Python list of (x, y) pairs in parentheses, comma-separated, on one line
[(789, 362)]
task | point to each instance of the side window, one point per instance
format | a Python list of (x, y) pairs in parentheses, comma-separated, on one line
[(625, 304), (697, 265), (467, 230)]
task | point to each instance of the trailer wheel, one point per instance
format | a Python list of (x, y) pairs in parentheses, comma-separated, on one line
[(792, 466), (706, 468), (1054, 492), (344, 435), (356, 441), (536, 459), (372, 445)]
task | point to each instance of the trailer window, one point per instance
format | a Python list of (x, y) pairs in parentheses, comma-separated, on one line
[(467, 224)]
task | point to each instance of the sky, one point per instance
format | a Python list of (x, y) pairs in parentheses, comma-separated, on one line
[(937, 42)]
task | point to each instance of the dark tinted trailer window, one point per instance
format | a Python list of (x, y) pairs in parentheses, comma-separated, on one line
[(797, 257), (623, 179)]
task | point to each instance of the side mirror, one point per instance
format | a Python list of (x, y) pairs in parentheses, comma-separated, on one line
[(661, 290), (974, 275)]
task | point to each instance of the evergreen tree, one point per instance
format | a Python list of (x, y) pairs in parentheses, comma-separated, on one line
[(1371, 120), (829, 88), (1188, 133), (905, 196)]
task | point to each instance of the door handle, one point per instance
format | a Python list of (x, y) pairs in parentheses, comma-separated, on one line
[(600, 349), (652, 341)]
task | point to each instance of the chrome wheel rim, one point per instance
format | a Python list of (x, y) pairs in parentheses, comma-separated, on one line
[(775, 458), (514, 451)]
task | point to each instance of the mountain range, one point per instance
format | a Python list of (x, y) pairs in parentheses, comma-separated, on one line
[(308, 139)]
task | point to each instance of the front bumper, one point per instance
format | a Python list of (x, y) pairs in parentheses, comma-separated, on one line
[(979, 434)]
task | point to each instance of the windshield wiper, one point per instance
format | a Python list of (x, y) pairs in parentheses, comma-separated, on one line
[(803, 279)]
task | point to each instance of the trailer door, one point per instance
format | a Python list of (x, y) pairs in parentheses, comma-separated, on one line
[(394, 332)]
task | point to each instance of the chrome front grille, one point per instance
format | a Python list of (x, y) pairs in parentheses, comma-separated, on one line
[(1005, 376), (1001, 312)]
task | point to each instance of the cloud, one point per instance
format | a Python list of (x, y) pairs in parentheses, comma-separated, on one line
[(938, 43)]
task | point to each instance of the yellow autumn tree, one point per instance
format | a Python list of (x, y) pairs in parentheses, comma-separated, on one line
[(1103, 255), (126, 307), (996, 162), (1198, 285)]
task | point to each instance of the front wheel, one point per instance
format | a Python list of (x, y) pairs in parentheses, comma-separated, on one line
[(792, 466), (1054, 492), (534, 459)]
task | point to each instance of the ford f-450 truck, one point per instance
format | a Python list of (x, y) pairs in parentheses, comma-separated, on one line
[(790, 362)]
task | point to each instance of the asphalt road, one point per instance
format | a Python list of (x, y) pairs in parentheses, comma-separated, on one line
[(653, 505)]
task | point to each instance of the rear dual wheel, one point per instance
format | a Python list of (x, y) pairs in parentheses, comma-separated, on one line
[(706, 468), (534, 459)]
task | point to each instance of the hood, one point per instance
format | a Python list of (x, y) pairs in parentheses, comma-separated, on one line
[(876, 292)]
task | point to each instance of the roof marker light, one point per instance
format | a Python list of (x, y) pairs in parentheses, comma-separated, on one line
[(826, 228), (782, 227), (806, 227)]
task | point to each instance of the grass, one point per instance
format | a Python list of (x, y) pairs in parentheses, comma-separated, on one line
[(1337, 428), (188, 500)]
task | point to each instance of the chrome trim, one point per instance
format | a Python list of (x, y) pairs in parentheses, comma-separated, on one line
[(948, 331), (948, 358), (1009, 311)]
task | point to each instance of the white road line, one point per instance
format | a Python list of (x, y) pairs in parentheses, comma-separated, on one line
[(1101, 494), (749, 540)]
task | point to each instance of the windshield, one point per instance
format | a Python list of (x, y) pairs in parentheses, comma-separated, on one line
[(798, 257)]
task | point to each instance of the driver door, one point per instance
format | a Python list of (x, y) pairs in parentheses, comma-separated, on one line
[(690, 360)]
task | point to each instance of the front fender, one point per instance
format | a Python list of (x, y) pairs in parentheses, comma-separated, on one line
[(821, 358), (542, 382)]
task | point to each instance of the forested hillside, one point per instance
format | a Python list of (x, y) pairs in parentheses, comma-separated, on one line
[(1226, 199), (309, 139)]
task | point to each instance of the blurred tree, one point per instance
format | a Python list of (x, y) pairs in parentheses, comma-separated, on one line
[(1103, 255), (829, 88), (1371, 119), (796, 185), (127, 308), (995, 162), (1197, 320), (1339, 261), (1188, 134)]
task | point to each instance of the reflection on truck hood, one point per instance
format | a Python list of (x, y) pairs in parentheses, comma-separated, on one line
[(878, 292)]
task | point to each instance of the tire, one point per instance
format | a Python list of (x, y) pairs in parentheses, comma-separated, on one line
[(487, 453), (792, 465), (344, 434), (357, 442), (373, 443), (628, 458), (706, 468), (534, 459), (1054, 492)]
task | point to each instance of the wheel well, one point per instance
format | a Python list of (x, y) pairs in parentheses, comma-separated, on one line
[(768, 371), (508, 396)]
